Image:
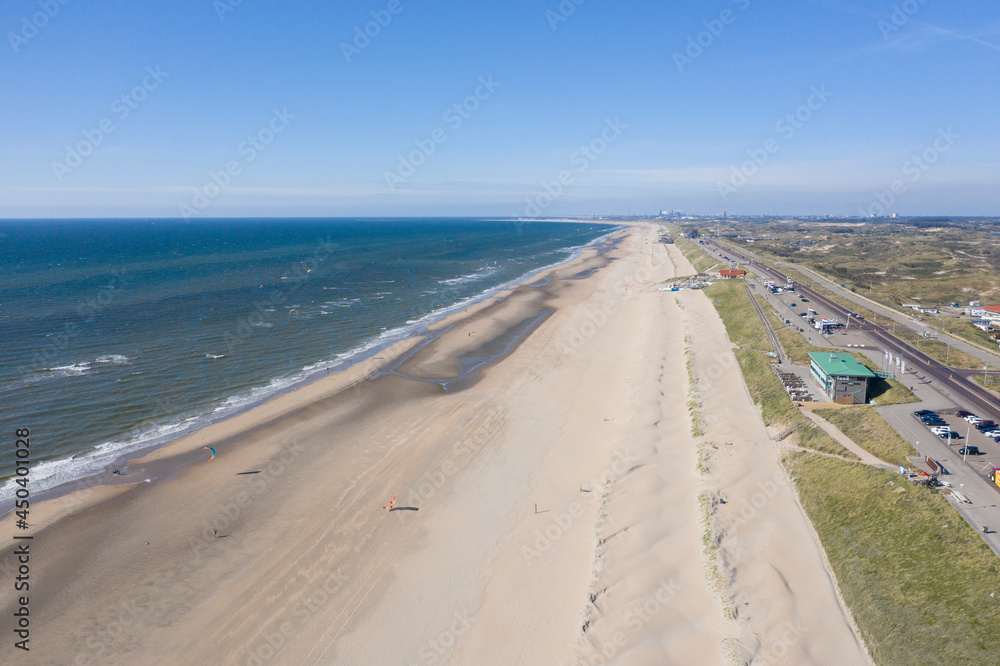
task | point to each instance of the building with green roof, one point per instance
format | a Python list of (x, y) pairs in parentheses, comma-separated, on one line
[(844, 379)]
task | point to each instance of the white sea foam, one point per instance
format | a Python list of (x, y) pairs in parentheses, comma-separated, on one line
[(76, 369), (117, 359), (53, 473), (484, 272), (215, 355)]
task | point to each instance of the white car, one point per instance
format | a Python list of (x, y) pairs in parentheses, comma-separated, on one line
[(940, 429), (973, 419)]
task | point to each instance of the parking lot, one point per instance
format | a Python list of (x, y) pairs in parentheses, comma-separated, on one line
[(989, 450)]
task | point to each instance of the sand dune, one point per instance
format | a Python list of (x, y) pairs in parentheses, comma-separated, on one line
[(547, 512)]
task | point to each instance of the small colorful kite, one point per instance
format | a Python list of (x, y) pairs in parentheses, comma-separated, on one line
[(391, 505), (212, 451)]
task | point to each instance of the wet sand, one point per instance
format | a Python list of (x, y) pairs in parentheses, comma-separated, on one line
[(542, 496)]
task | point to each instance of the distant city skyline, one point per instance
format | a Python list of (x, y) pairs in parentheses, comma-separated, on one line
[(402, 108)]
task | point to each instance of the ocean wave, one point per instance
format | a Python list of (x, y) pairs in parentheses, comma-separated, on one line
[(52, 473), (343, 302), (471, 277), (116, 359), (67, 370), (76, 369), (49, 474)]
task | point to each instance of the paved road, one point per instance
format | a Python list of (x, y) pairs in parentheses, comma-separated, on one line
[(987, 357), (965, 391), (965, 477), (940, 389)]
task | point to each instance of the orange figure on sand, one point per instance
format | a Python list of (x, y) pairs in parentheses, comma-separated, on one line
[(391, 505)]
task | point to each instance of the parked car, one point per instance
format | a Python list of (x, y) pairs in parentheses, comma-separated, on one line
[(983, 425), (969, 450), (962, 413), (922, 412), (940, 429), (972, 418), (951, 434), (932, 419)]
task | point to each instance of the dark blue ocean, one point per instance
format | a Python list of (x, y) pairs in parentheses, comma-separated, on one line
[(116, 335)]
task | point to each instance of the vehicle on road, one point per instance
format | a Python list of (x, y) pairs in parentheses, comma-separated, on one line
[(969, 450)]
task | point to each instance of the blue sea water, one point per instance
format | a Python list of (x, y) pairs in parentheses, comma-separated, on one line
[(116, 335)]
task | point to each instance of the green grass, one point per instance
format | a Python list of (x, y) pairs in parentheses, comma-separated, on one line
[(915, 576), (811, 436), (886, 391), (993, 385), (690, 250), (894, 265), (868, 429), (939, 350), (742, 323), (797, 350), (747, 333)]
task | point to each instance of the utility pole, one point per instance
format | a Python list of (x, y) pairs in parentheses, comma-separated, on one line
[(967, 433)]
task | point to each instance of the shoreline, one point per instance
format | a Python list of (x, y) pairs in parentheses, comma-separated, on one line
[(536, 506), (141, 465), (406, 334)]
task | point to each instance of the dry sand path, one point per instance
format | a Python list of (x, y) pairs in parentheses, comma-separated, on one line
[(587, 420), (778, 587)]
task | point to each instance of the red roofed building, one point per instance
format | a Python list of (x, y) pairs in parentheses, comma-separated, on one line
[(992, 312), (729, 273)]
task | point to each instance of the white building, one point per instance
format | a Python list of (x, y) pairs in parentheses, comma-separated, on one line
[(991, 312)]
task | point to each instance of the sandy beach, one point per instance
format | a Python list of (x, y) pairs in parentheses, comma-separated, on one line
[(547, 507)]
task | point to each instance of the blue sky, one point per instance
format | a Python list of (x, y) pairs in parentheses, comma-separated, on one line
[(265, 89)]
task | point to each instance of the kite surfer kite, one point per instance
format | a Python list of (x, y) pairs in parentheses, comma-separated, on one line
[(391, 505)]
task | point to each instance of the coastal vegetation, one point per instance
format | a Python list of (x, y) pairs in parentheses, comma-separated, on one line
[(930, 262), (868, 429), (920, 583), (917, 579)]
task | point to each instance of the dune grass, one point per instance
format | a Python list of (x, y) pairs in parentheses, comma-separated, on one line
[(867, 428), (742, 323), (747, 333), (992, 384), (885, 391), (811, 436), (915, 576)]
